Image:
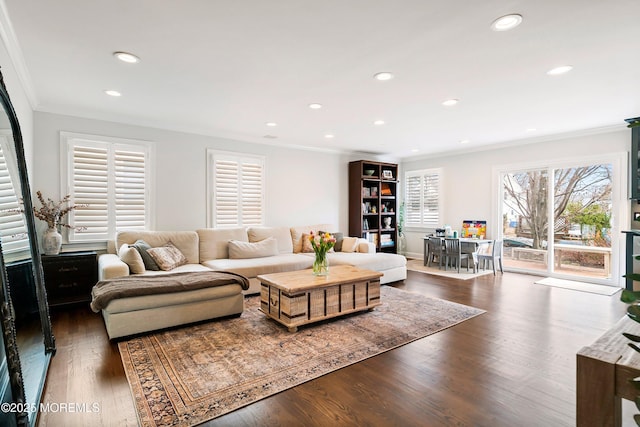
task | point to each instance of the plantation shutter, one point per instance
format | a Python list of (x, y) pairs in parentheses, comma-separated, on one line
[(90, 188), (130, 189), (238, 190), (109, 181), (422, 198), (413, 200), (431, 200), (226, 194), (13, 230)]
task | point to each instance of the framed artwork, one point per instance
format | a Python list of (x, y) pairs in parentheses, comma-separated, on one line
[(387, 174), (472, 228)]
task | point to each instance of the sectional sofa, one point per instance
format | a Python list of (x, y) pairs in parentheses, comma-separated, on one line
[(246, 251)]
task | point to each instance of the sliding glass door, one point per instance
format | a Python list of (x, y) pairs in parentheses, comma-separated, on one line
[(558, 219)]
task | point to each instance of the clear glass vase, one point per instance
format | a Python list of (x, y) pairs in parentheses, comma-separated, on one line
[(321, 265)]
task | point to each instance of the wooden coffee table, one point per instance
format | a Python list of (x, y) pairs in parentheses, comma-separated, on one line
[(298, 297)]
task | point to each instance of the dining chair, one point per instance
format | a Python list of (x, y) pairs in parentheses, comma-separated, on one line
[(435, 251), (454, 253), (493, 254)]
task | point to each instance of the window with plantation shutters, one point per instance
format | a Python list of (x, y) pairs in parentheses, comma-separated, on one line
[(109, 180), (422, 198), (236, 190), (13, 230)]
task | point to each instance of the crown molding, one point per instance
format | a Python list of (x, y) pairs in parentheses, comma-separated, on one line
[(10, 40)]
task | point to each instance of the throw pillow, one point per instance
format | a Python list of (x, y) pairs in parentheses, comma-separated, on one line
[(306, 243), (168, 256), (339, 237), (143, 248), (349, 244), (132, 258), (244, 250)]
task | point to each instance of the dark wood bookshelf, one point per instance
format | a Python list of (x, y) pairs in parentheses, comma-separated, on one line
[(373, 203)]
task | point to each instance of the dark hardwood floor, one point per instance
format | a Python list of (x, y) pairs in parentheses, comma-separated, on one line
[(512, 366)]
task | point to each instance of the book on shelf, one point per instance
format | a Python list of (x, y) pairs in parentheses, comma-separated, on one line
[(385, 240), (373, 238)]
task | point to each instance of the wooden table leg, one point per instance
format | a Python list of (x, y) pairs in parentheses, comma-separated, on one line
[(596, 402)]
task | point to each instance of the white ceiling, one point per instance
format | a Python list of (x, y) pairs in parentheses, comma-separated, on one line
[(225, 68)]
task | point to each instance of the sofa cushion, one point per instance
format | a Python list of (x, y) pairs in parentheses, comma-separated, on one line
[(296, 234), (263, 248), (378, 261), (168, 256), (186, 241), (180, 269), (349, 244), (253, 267), (130, 256), (123, 305), (143, 247), (214, 243), (281, 234)]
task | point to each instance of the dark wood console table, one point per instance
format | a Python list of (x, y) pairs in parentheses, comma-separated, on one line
[(604, 369)]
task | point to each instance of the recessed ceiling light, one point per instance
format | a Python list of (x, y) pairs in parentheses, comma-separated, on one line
[(464, 141), (415, 150), (271, 124), (329, 135), (378, 122), (560, 70), (112, 93), (450, 102), (315, 106), (126, 57), (383, 75), (531, 130), (506, 22)]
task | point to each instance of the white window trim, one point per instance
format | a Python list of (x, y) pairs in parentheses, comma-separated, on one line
[(67, 138), (421, 172), (210, 187)]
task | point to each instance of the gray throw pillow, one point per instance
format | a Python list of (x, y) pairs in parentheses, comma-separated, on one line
[(149, 262)]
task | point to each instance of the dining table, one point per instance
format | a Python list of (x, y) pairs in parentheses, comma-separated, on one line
[(468, 245)]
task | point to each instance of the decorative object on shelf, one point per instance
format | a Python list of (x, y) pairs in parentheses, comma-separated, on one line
[(321, 243), (387, 174), (387, 222), (369, 172), (53, 213)]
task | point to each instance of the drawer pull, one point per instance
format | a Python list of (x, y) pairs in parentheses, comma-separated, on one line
[(273, 301)]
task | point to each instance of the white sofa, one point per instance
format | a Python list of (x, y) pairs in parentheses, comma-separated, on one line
[(208, 249)]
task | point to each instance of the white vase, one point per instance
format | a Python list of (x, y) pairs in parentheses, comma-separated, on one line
[(51, 241)]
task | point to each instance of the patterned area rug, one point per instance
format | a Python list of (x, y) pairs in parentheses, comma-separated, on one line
[(183, 377)]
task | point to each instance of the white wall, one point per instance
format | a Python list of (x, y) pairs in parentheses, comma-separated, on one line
[(303, 187), (467, 178), (20, 105)]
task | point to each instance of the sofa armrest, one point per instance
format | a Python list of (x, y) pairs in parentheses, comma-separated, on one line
[(110, 266), (366, 247)]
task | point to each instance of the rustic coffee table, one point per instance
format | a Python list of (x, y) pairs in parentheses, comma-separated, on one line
[(298, 297)]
